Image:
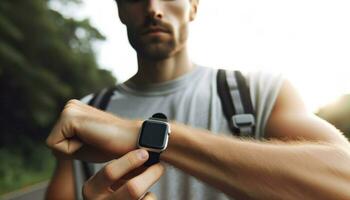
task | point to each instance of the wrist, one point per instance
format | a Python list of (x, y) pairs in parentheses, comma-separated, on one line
[(172, 149), (123, 136), (134, 127)]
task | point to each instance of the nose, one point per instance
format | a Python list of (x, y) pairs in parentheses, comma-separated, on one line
[(154, 9)]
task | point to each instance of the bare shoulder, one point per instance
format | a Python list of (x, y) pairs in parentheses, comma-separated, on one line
[(290, 120)]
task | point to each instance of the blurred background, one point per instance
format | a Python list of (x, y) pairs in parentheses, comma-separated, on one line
[(55, 50)]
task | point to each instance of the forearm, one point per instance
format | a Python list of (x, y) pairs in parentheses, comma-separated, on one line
[(61, 185), (262, 170)]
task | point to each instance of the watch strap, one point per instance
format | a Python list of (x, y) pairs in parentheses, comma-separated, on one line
[(160, 117), (153, 158)]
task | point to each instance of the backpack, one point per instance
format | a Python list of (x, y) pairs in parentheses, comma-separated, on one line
[(234, 96)]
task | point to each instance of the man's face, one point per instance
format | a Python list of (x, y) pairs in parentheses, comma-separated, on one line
[(157, 29)]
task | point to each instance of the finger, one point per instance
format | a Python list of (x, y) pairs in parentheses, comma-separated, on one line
[(127, 177), (62, 137), (68, 146), (139, 185), (59, 142), (149, 196), (116, 169)]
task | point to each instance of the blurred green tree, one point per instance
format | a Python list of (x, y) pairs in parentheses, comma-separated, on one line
[(338, 114), (45, 60)]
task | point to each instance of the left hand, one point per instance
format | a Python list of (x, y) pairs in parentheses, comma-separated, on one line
[(86, 133), (124, 178)]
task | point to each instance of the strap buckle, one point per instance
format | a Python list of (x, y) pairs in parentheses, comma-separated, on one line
[(243, 120)]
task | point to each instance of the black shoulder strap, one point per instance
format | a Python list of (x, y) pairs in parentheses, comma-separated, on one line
[(226, 99), (245, 93), (99, 100), (106, 98), (236, 102)]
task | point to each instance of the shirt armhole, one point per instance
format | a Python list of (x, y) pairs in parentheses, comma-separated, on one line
[(264, 89)]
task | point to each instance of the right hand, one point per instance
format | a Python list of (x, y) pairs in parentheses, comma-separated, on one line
[(122, 179), (86, 133)]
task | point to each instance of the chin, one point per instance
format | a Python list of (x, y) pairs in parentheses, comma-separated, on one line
[(153, 48), (157, 51), (155, 55)]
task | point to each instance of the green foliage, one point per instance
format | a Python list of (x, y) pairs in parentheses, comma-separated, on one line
[(45, 60), (338, 114), (25, 164)]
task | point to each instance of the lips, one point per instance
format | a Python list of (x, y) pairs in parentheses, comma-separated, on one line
[(155, 30)]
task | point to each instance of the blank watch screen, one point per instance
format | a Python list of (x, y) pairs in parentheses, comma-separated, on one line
[(153, 135)]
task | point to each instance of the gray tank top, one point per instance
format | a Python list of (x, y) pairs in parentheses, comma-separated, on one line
[(191, 99)]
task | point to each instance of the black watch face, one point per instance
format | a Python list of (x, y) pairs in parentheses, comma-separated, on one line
[(153, 134)]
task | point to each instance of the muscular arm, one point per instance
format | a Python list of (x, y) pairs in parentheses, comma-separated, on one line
[(313, 168), (290, 120), (302, 170), (308, 158)]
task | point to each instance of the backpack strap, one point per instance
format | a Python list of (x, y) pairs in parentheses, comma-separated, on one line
[(236, 102), (99, 100)]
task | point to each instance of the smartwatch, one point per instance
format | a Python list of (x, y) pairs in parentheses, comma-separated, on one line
[(154, 136)]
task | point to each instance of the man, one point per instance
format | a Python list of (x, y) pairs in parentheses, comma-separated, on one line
[(303, 157)]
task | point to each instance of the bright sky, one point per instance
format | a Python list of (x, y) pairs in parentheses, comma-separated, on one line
[(307, 40)]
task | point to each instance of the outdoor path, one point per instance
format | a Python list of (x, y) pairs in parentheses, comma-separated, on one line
[(34, 192)]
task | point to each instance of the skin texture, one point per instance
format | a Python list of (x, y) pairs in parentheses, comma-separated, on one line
[(312, 168), (161, 56), (303, 158), (164, 44)]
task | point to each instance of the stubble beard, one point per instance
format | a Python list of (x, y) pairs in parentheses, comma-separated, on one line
[(156, 49)]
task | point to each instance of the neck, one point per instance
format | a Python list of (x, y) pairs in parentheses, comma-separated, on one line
[(150, 71)]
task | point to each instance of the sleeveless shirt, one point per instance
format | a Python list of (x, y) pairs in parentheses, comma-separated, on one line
[(191, 99)]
